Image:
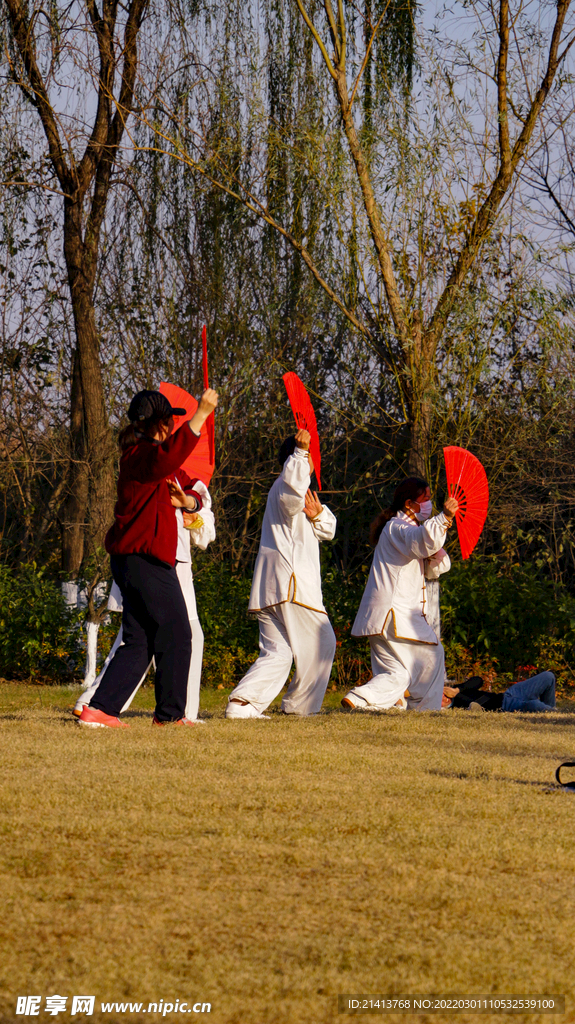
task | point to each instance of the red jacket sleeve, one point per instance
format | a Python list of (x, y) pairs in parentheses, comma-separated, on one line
[(187, 485), (151, 462)]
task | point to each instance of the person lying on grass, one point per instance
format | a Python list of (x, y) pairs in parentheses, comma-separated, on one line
[(406, 654), (534, 694)]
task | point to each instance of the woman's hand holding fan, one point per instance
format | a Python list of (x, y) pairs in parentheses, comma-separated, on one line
[(450, 506), (303, 439)]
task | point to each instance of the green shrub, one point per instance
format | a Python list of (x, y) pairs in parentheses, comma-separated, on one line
[(462, 662), (507, 613), (342, 596), (495, 619), (38, 633), (231, 635)]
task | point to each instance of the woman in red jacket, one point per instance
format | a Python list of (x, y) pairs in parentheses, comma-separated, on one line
[(142, 546)]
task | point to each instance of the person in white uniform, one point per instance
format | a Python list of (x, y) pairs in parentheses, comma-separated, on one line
[(286, 595), (200, 538), (407, 657)]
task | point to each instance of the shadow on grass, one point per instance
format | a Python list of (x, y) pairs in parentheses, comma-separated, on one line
[(543, 787)]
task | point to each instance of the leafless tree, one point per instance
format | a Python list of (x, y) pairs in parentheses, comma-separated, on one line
[(55, 53)]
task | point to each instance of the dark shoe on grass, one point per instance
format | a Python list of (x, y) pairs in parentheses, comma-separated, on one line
[(178, 721)]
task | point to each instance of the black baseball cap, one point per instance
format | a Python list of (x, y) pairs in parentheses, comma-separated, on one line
[(148, 404)]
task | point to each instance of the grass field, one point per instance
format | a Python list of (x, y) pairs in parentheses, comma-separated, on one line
[(266, 866)]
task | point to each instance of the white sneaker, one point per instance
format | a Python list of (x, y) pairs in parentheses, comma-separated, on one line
[(242, 709), (348, 702)]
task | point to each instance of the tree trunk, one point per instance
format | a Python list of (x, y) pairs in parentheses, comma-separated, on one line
[(74, 508), (418, 460), (420, 398), (92, 476)]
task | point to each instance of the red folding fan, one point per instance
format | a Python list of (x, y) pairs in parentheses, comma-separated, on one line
[(304, 416), (467, 483), (200, 464)]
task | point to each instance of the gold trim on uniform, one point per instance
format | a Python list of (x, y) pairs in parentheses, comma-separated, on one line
[(413, 639), (288, 600)]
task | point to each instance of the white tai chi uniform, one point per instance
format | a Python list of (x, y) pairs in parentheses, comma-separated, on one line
[(405, 651), (286, 597), (200, 538)]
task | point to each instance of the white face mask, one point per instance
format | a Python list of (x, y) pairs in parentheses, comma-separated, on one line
[(425, 510)]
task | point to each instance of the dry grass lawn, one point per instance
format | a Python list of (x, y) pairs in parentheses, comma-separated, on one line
[(266, 866)]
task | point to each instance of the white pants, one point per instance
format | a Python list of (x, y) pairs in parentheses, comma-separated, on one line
[(400, 665), (288, 633), (184, 571)]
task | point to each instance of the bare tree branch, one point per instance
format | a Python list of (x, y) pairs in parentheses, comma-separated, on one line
[(489, 209), (317, 38), (24, 38)]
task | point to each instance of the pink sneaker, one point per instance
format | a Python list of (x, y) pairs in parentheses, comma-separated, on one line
[(179, 721), (94, 719)]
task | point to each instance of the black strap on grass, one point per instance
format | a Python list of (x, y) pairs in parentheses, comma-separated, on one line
[(565, 785)]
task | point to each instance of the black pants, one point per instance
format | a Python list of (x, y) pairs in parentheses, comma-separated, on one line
[(155, 624)]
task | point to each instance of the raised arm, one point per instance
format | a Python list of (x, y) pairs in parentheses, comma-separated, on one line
[(154, 462), (295, 478), (420, 541)]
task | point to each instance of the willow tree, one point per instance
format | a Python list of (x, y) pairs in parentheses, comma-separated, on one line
[(188, 254), (76, 66), (412, 149)]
